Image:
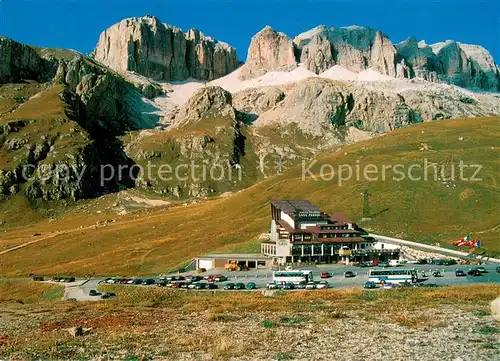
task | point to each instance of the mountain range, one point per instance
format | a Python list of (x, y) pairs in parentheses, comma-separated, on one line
[(152, 93)]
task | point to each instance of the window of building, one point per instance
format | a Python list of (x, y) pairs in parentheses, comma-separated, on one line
[(307, 250), (261, 263), (297, 250), (317, 249)]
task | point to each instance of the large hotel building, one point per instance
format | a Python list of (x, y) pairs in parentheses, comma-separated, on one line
[(301, 232)]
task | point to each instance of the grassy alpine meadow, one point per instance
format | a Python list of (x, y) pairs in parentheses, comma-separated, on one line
[(137, 324), (440, 209)]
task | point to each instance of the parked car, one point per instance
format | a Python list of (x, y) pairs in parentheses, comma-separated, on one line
[(94, 293), (193, 278), (383, 264), (220, 278), (212, 286), (105, 296), (173, 278), (460, 273), (310, 286), (130, 281), (481, 269), (325, 275), (37, 278), (239, 286), (302, 284), (200, 286), (137, 281), (229, 286), (161, 284), (251, 286), (388, 286), (148, 281), (271, 286), (498, 269), (370, 285), (349, 274), (322, 285), (287, 286), (473, 272), (178, 284), (437, 273)]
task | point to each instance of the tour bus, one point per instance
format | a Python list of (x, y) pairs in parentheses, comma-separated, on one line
[(294, 277), (393, 275)]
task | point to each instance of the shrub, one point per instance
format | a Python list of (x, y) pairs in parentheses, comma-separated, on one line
[(269, 324)]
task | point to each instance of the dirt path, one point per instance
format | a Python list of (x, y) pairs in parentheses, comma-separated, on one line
[(55, 234)]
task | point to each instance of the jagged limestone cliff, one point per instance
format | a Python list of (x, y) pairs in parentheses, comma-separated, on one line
[(147, 46)]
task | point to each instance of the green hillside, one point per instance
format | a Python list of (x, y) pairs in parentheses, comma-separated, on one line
[(426, 211)]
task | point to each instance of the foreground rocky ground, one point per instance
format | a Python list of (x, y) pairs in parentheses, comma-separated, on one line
[(451, 323)]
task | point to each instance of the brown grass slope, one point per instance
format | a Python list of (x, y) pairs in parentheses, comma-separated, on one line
[(424, 211)]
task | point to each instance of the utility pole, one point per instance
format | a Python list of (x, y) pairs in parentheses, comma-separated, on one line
[(366, 205)]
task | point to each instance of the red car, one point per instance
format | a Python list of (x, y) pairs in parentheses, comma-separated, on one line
[(325, 275)]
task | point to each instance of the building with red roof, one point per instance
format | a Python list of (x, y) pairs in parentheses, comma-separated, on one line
[(301, 232)]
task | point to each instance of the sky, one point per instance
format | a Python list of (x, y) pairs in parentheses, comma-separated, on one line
[(76, 24)]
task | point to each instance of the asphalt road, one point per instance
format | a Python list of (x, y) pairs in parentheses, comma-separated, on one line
[(79, 290), (262, 277)]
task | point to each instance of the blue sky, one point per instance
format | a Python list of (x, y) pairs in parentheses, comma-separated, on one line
[(77, 24)]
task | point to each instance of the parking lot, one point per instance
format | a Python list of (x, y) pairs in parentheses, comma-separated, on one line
[(337, 280)]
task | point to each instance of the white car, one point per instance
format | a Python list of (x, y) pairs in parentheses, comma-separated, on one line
[(322, 284), (271, 286), (389, 286), (310, 286)]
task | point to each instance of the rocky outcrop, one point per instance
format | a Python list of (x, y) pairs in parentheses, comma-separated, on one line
[(20, 61), (204, 147), (485, 73), (417, 60), (317, 55), (454, 64), (160, 51), (269, 50), (359, 48), (254, 101), (60, 158), (469, 66), (319, 106), (208, 102), (355, 48)]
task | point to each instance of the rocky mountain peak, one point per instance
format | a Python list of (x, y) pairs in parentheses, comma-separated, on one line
[(147, 46), (269, 50)]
